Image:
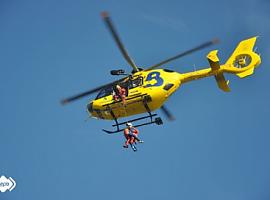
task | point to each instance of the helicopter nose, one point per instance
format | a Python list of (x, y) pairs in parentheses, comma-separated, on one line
[(90, 107)]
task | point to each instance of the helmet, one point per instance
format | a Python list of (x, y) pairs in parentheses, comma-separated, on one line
[(128, 124)]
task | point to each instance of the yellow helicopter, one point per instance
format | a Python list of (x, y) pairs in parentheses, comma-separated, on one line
[(148, 89)]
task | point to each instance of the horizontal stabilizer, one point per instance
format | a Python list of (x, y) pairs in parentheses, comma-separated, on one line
[(222, 83), (215, 66), (213, 60)]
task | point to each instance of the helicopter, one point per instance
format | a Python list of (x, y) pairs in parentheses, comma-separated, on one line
[(148, 89)]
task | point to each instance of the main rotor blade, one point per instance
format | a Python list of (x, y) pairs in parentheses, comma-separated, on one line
[(167, 113), (202, 46), (112, 29), (81, 95)]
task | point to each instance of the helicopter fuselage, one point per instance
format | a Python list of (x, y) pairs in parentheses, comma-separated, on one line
[(153, 86)]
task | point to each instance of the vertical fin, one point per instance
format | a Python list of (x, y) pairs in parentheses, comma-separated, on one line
[(244, 46), (244, 59)]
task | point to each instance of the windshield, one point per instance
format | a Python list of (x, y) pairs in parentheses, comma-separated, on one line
[(135, 83), (127, 85), (105, 92)]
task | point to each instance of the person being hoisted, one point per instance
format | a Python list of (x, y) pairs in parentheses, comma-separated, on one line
[(131, 135), (120, 93)]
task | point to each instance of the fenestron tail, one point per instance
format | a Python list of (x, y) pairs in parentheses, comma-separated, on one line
[(242, 63), (243, 60)]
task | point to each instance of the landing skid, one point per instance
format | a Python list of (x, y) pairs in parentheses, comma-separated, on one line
[(145, 100), (157, 121)]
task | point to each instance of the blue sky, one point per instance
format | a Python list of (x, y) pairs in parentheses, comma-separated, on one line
[(218, 148)]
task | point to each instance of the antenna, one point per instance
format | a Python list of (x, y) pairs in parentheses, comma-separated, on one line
[(194, 68)]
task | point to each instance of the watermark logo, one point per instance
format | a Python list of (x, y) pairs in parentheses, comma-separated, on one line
[(7, 184)]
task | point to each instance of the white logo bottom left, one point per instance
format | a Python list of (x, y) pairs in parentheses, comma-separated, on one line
[(7, 184)]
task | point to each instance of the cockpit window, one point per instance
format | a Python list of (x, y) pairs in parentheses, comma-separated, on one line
[(127, 85), (105, 92), (135, 83)]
